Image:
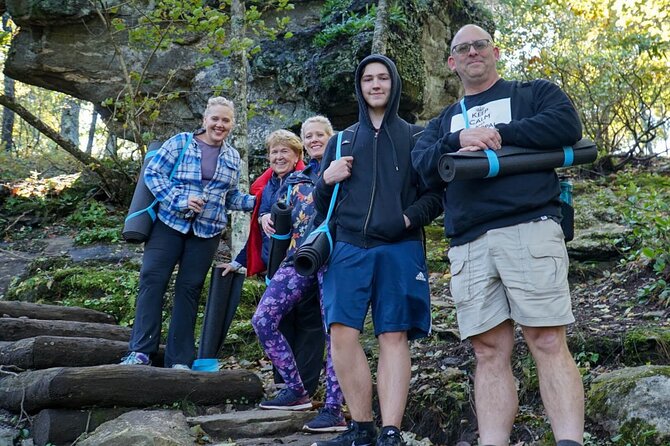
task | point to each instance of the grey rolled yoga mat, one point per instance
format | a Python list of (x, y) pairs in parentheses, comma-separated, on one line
[(313, 252), (280, 240), (511, 160), (142, 210), (222, 301)]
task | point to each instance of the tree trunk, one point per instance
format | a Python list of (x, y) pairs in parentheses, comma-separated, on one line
[(240, 220), (69, 121), (380, 36), (124, 386), (43, 352), (111, 149), (116, 185), (7, 137), (14, 308), (91, 133), (13, 329)]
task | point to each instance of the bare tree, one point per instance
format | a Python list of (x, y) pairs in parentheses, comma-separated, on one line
[(7, 114), (91, 133), (8, 117), (380, 35), (69, 120), (240, 220)]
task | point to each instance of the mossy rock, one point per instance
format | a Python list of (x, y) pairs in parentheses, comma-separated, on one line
[(633, 404), (647, 345)]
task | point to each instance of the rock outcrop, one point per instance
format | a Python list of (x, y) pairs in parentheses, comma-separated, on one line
[(63, 45), (633, 402)]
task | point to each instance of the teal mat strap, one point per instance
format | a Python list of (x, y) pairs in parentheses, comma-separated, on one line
[(281, 236), (324, 226), (569, 156), (149, 210), (494, 164), (464, 111)]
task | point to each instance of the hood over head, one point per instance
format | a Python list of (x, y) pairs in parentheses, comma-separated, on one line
[(391, 111)]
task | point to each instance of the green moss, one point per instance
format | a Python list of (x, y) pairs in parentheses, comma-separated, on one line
[(647, 345), (638, 433), (110, 290)]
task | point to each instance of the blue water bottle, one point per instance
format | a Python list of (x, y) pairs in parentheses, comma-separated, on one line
[(567, 211), (566, 192)]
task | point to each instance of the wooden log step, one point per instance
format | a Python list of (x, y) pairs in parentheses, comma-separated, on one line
[(63, 426), (13, 329), (124, 386), (43, 352), (13, 308)]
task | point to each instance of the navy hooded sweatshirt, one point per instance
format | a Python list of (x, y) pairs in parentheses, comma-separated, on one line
[(383, 184)]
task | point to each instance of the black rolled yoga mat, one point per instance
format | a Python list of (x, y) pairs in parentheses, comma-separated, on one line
[(222, 301), (512, 160), (141, 215), (281, 217), (312, 253)]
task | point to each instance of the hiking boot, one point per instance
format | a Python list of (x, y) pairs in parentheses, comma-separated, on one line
[(136, 358), (287, 399), (329, 419), (354, 435), (390, 436)]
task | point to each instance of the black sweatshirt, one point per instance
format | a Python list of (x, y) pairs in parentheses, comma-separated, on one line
[(535, 114), (383, 184)]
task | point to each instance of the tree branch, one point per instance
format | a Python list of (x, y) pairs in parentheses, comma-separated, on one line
[(110, 180)]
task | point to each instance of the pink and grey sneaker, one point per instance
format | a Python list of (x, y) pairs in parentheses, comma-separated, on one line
[(329, 419), (287, 399)]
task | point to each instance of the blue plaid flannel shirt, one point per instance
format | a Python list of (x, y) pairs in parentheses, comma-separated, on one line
[(220, 194)]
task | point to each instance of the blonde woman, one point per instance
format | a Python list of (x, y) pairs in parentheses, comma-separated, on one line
[(192, 214), (287, 290)]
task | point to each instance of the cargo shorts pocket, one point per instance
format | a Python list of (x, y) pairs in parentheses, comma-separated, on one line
[(548, 266), (459, 284)]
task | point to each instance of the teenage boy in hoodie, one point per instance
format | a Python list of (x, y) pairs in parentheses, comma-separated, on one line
[(508, 258), (378, 259)]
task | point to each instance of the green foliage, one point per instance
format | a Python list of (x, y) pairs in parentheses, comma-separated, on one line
[(350, 24), (648, 213), (586, 359), (339, 21), (611, 57), (95, 223), (436, 248)]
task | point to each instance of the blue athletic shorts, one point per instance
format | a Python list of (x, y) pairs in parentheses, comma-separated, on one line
[(391, 279)]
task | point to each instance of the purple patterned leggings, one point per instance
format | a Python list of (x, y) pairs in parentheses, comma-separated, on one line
[(284, 291)]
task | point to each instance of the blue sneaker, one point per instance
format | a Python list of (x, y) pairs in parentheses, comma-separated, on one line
[(287, 399), (136, 358), (354, 435), (329, 419)]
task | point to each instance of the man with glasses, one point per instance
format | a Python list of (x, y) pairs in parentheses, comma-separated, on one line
[(508, 258)]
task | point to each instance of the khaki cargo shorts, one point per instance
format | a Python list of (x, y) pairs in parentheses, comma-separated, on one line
[(518, 272)]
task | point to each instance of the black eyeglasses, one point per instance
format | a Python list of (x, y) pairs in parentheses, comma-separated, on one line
[(464, 48)]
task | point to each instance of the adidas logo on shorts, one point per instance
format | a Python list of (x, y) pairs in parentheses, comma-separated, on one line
[(420, 277)]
